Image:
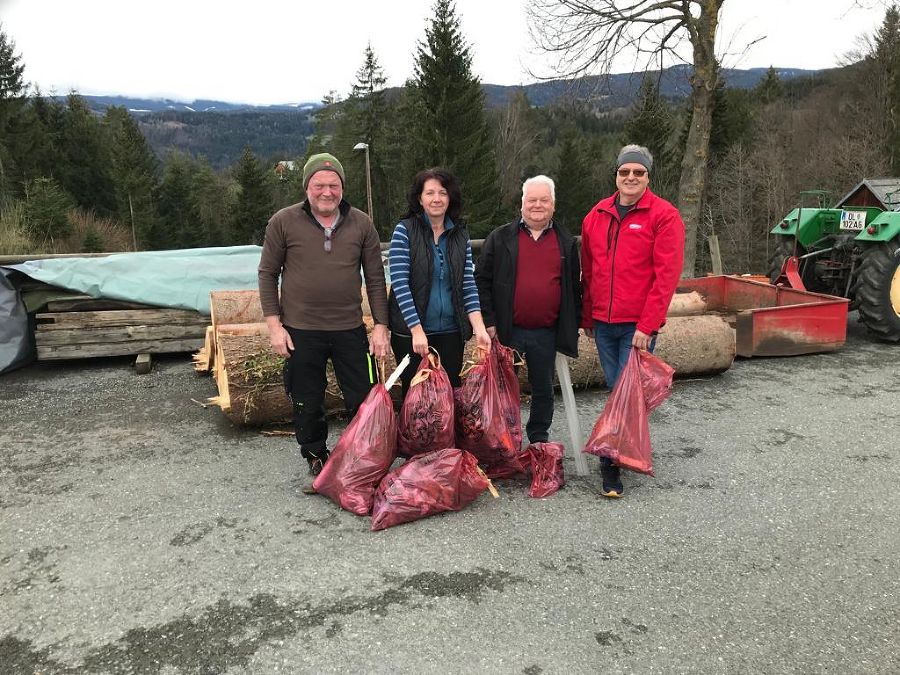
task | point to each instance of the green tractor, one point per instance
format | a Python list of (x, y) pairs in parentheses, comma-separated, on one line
[(850, 252)]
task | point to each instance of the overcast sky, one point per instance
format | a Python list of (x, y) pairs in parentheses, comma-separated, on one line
[(262, 51)]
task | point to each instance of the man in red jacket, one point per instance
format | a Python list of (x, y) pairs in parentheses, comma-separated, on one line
[(632, 249)]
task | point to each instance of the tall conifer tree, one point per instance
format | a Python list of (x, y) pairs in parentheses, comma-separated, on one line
[(450, 128), (12, 106), (177, 208), (135, 176), (254, 201), (85, 169), (651, 125)]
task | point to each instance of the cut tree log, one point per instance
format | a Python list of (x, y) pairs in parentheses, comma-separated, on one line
[(692, 345), (230, 307), (688, 303), (251, 386), (250, 379)]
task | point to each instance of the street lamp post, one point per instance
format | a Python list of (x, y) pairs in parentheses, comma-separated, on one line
[(365, 147)]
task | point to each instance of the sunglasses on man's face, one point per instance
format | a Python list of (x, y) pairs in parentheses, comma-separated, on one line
[(638, 173)]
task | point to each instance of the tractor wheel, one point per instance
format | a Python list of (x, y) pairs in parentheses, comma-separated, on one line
[(784, 250), (877, 290)]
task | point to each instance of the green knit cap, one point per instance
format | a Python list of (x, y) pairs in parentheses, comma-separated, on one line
[(322, 162)]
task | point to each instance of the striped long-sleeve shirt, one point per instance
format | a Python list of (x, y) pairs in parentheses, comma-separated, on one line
[(399, 265)]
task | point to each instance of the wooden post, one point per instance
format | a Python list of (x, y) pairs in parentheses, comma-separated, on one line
[(142, 364), (568, 394), (715, 255)]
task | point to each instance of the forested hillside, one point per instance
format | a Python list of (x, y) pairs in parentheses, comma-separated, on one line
[(74, 179)]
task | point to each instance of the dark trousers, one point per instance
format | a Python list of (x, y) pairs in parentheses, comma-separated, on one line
[(304, 380), (614, 347), (448, 345), (538, 347)]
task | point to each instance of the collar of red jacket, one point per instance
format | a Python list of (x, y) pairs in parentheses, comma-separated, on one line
[(608, 205)]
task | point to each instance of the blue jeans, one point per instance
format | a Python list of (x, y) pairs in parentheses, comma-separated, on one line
[(538, 347), (614, 346)]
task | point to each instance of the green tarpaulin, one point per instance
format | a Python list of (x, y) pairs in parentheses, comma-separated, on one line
[(180, 279)]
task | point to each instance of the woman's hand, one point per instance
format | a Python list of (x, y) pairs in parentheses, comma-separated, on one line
[(483, 339), (419, 341)]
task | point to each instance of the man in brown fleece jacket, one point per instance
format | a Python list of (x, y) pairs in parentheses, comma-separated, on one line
[(317, 248)]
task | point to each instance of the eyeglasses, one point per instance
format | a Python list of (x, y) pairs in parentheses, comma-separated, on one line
[(328, 232), (638, 173)]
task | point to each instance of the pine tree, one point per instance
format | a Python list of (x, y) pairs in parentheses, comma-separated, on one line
[(176, 206), (85, 166), (135, 171), (47, 206), (574, 185), (450, 127), (254, 201), (770, 88), (364, 119), (12, 105), (652, 125)]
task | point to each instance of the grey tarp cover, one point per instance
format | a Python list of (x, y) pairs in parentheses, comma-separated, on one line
[(181, 279), (16, 348)]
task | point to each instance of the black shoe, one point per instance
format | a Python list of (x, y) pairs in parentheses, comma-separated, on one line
[(315, 468), (612, 479)]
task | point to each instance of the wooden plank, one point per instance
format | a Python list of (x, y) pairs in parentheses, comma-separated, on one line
[(61, 352), (123, 317), (104, 335), (143, 363)]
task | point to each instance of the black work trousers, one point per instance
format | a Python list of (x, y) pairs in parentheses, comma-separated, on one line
[(304, 380), (448, 345), (538, 347)]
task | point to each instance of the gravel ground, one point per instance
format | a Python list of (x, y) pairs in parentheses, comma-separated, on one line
[(142, 533)]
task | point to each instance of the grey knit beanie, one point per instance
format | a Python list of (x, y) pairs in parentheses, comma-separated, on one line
[(636, 154)]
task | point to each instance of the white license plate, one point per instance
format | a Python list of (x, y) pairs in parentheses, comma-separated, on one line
[(853, 220)]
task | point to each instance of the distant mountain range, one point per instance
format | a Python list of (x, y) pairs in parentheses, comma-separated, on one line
[(154, 105), (616, 91), (605, 92)]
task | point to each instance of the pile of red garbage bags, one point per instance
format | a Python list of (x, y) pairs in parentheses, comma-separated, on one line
[(445, 435), (622, 432)]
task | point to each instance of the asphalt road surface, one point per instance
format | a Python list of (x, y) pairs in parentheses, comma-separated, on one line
[(142, 533)]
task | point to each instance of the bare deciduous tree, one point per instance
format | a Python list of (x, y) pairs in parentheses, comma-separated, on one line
[(587, 36)]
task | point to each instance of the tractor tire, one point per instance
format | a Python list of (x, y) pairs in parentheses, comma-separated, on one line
[(784, 250), (877, 290)]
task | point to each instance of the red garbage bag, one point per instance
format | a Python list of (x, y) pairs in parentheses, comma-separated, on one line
[(481, 426), (508, 386), (438, 481), (656, 379), (622, 433), (426, 422), (362, 456), (546, 468)]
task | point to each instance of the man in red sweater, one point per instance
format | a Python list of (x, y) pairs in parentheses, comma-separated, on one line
[(632, 249)]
